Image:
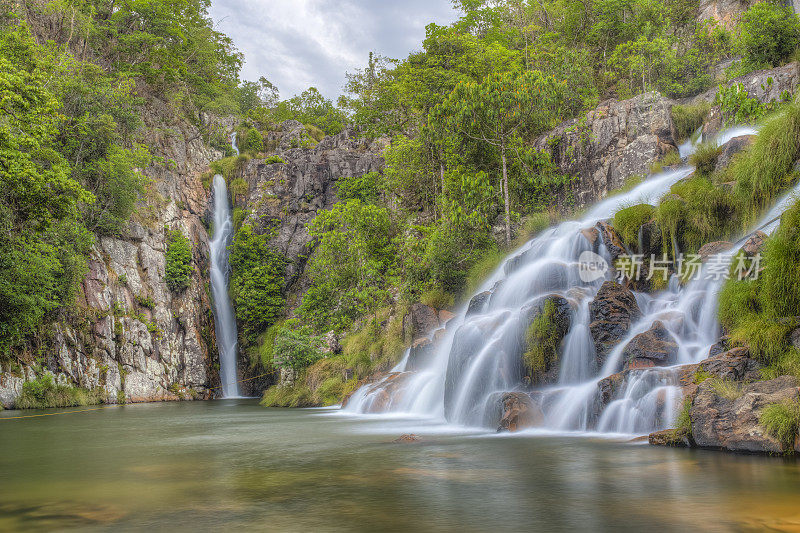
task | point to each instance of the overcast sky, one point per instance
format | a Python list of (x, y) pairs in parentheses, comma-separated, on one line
[(299, 43)]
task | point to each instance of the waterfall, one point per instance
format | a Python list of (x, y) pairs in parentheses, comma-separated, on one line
[(479, 356), (224, 318)]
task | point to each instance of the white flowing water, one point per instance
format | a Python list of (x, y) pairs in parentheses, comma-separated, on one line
[(479, 357), (224, 318)]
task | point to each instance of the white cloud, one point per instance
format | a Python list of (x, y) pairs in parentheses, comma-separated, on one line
[(299, 43)]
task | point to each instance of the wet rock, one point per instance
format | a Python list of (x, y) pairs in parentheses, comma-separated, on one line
[(669, 437), (654, 347), (519, 412), (612, 240), (711, 249), (420, 320), (382, 390), (719, 347), (731, 148), (445, 316), (611, 313), (478, 302), (755, 243), (733, 423), (592, 235), (650, 240), (734, 365), (407, 438), (421, 354)]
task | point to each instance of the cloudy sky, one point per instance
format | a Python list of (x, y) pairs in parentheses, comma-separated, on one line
[(299, 43)]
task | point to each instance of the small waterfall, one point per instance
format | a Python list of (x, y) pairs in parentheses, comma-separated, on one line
[(224, 318), (479, 356)]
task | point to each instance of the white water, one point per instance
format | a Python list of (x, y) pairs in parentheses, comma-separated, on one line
[(224, 318), (479, 357)]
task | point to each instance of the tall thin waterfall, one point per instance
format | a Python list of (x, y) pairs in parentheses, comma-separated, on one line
[(479, 356), (224, 318)]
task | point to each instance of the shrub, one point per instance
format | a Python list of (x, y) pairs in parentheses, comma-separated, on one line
[(257, 281), (43, 393), (782, 421), (274, 159), (628, 221), (437, 298), (297, 395), (736, 105), (254, 141), (178, 270), (688, 118), (238, 188), (769, 33), (296, 346), (365, 187)]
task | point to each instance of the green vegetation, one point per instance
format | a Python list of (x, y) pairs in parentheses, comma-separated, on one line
[(628, 221), (43, 393), (737, 106), (273, 159), (770, 33), (761, 313), (782, 421), (296, 347), (253, 141), (705, 157), (688, 118), (726, 388), (179, 262), (542, 341), (256, 284)]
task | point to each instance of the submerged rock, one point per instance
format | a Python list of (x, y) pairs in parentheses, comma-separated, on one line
[(654, 347), (478, 303), (519, 412), (669, 437), (407, 438), (610, 314)]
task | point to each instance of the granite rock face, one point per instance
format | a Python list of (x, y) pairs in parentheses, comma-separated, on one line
[(616, 140), (127, 334)]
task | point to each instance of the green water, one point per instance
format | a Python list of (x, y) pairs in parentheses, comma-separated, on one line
[(229, 465)]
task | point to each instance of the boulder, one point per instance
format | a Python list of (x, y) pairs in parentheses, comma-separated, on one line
[(654, 347), (610, 314), (420, 320), (421, 353), (591, 234), (733, 423), (711, 249), (612, 240), (519, 412), (731, 148), (445, 316), (669, 437), (755, 243), (478, 303), (735, 364), (651, 240)]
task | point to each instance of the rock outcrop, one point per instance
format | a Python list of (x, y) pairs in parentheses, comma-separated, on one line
[(285, 197), (616, 140), (518, 412), (654, 347), (611, 313), (733, 423)]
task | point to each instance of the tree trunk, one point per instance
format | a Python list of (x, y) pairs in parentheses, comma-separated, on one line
[(505, 194)]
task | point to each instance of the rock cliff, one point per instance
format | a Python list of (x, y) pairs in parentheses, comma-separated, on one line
[(128, 336)]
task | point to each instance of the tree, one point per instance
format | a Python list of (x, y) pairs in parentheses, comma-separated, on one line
[(769, 32), (496, 110)]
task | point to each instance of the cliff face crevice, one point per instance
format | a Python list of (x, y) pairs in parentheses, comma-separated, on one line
[(127, 335)]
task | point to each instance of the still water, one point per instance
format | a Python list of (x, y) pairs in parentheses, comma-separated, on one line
[(230, 464)]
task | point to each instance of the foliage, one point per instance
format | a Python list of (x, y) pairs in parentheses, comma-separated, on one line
[(273, 159), (737, 106), (257, 282), (366, 188), (770, 32), (726, 388), (311, 108), (437, 298), (253, 141), (178, 269), (296, 347), (782, 421), (688, 118), (43, 392)]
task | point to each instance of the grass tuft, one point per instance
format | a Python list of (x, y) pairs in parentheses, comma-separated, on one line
[(782, 421)]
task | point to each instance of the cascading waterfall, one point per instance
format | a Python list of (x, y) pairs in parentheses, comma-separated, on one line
[(479, 356), (224, 318)]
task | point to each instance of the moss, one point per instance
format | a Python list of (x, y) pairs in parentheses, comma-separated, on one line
[(671, 158), (683, 424), (229, 166), (782, 421), (705, 158), (542, 340), (628, 221), (701, 376), (43, 393), (688, 118), (437, 298)]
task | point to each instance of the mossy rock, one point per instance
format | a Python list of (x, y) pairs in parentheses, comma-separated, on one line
[(628, 221)]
